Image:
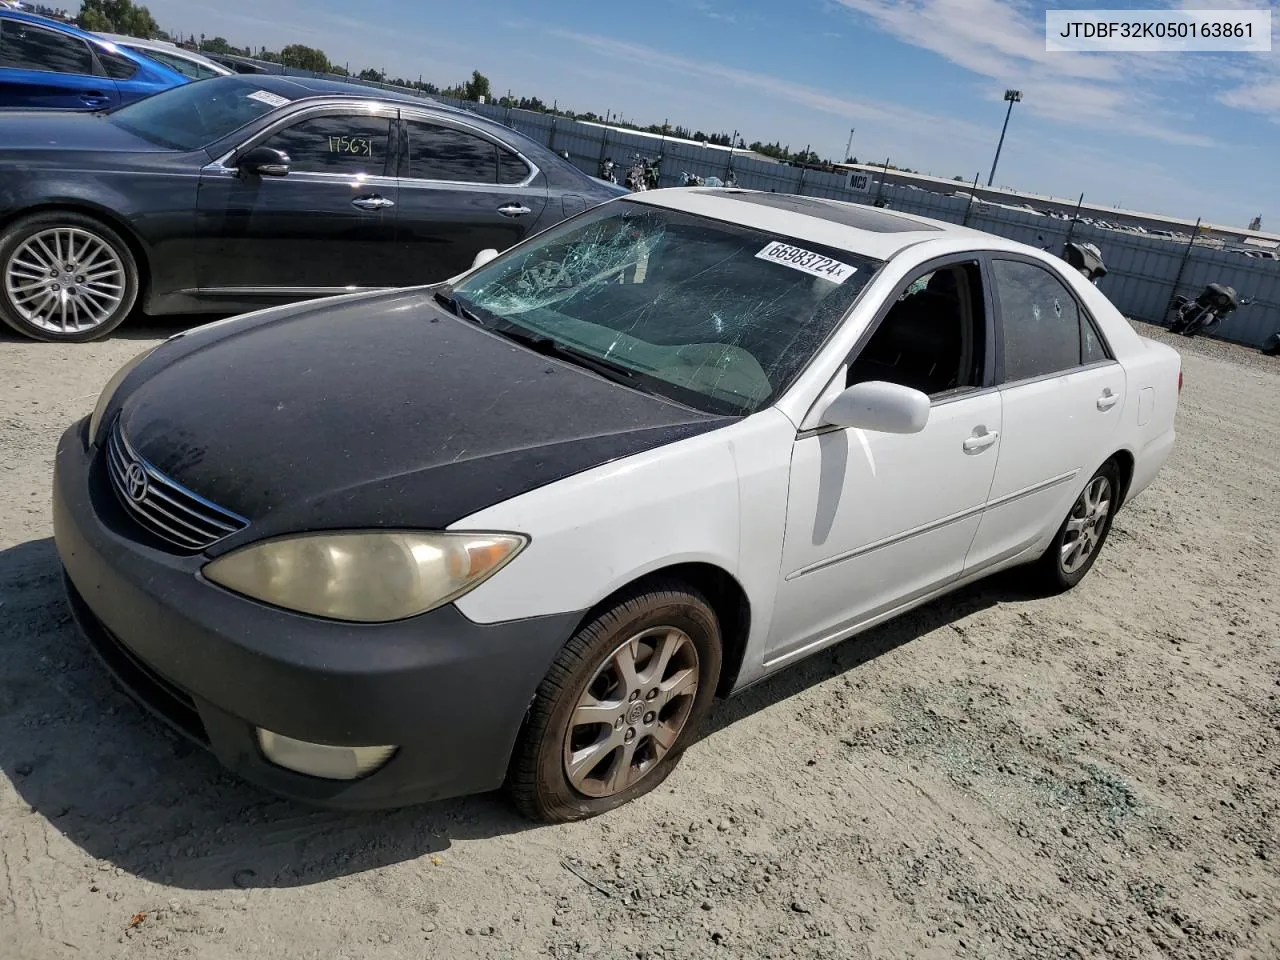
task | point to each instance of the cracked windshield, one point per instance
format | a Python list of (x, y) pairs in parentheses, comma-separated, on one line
[(716, 316)]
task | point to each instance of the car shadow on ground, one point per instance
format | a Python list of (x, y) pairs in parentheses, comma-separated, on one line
[(137, 798)]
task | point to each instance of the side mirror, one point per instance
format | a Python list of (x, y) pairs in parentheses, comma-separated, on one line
[(880, 406), (483, 257), (264, 162)]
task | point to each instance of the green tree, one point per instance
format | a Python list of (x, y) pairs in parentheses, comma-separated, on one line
[(117, 16), (477, 87), (304, 58), (368, 73)]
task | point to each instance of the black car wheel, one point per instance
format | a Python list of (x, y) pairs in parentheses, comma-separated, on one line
[(65, 277), (618, 707), (1082, 534)]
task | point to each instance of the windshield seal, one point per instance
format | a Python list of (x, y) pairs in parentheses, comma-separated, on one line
[(701, 311)]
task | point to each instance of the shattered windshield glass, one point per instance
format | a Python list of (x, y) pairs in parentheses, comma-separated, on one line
[(713, 315)]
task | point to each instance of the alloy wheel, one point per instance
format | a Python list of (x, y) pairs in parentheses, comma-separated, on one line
[(65, 280), (1086, 524), (632, 711)]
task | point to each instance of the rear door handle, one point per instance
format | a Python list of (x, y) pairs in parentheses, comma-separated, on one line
[(514, 210), (980, 441), (1107, 400), (93, 99), (372, 203)]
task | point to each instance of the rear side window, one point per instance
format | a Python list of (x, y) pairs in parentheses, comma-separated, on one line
[(437, 152), (511, 169), (117, 67), (338, 144), (1041, 321), (24, 46), (185, 67)]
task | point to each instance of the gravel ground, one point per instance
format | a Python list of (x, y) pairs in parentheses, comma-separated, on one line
[(1095, 775)]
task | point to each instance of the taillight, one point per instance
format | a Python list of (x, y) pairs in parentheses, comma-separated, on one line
[(1179, 379)]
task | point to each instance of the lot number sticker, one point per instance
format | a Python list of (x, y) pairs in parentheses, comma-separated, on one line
[(269, 98), (806, 261)]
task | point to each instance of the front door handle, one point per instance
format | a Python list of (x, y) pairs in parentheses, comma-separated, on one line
[(980, 441), (1107, 400), (514, 210), (372, 203)]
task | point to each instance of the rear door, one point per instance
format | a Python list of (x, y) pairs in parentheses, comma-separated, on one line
[(461, 191), (47, 69), (325, 227), (1061, 393)]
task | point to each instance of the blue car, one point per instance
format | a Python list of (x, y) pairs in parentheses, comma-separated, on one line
[(45, 64)]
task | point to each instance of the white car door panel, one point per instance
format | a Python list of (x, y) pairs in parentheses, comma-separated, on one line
[(1056, 432), (876, 518)]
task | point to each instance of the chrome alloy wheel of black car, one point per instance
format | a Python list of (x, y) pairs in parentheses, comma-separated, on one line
[(65, 280)]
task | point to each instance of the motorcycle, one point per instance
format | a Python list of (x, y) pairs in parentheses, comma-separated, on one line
[(1087, 258), (644, 174), (607, 170), (692, 180), (1215, 303)]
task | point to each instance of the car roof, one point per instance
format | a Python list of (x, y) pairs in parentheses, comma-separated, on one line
[(36, 20), (164, 46), (866, 230)]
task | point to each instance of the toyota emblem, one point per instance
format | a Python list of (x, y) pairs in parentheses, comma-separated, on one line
[(135, 482)]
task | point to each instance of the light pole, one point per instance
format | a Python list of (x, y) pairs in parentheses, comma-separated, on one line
[(1013, 96)]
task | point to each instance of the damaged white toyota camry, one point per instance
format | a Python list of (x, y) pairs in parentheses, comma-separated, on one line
[(523, 527)]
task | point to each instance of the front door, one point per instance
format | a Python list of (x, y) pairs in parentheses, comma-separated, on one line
[(1062, 395), (325, 227), (460, 193), (875, 520), (44, 68)]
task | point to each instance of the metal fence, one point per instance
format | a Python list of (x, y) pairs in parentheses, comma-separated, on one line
[(1144, 271)]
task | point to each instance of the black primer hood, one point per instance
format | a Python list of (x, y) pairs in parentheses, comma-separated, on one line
[(382, 412)]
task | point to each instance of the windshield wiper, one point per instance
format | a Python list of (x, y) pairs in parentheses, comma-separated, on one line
[(456, 307), (554, 348)]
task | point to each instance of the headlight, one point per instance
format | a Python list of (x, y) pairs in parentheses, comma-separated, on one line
[(369, 576), (109, 391)]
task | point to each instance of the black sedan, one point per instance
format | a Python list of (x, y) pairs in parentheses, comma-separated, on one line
[(242, 192)]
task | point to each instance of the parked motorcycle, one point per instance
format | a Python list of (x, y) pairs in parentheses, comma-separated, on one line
[(693, 180), (607, 168), (644, 174), (1215, 303), (1087, 258)]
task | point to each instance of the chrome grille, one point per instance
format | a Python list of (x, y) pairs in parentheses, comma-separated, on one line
[(167, 509)]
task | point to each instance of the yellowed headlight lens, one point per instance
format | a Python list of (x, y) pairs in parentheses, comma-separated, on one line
[(365, 576)]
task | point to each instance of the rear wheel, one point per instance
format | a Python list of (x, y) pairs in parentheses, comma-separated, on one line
[(615, 712), (1082, 534), (65, 277)]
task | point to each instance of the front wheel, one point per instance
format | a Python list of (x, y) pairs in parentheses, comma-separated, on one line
[(619, 706), (65, 277), (1080, 538)]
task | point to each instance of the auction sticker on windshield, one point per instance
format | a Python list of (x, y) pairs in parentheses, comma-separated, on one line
[(815, 264), (269, 98)]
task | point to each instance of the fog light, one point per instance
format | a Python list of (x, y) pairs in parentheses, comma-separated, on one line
[(320, 759)]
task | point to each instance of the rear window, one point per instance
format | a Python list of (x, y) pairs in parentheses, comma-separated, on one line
[(197, 114)]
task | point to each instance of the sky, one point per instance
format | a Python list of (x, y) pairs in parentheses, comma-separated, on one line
[(918, 81)]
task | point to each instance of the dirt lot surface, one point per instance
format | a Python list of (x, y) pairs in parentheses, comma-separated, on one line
[(1095, 775)]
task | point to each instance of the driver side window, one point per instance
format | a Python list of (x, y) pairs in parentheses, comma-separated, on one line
[(345, 144), (933, 338)]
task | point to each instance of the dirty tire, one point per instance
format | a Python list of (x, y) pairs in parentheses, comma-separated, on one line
[(1051, 574), (23, 229), (538, 780)]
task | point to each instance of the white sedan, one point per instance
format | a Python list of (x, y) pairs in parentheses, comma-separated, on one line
[(523, 527)]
